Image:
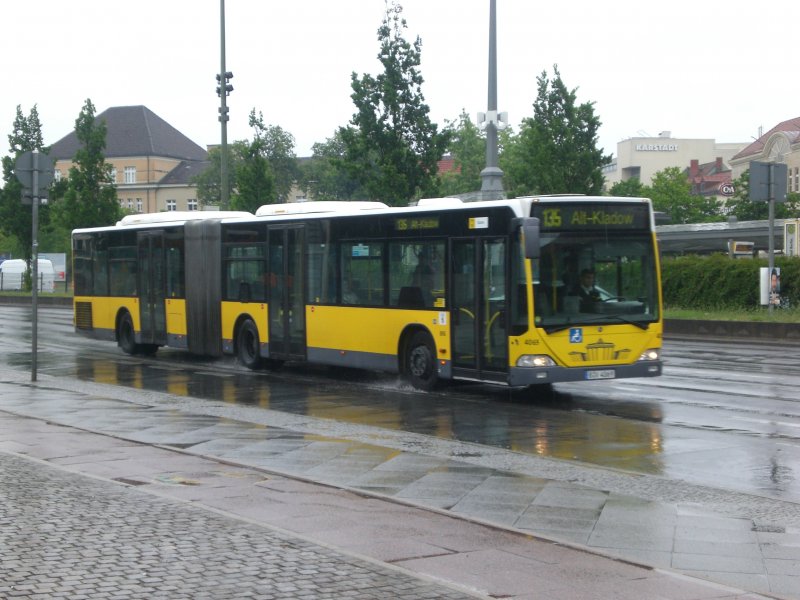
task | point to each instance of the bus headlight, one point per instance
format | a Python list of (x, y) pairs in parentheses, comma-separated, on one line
[(535, 360), (651, 354)]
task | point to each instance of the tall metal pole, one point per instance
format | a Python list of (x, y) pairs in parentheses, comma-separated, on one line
[(771, 246), (492, 176), (223, 114), (35, 267)]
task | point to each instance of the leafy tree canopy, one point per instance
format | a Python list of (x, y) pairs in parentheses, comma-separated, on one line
[(90, 197), (15, 217), (740, 206), (263, 170), (556, 150), (671, 192), (324, 177), (255, 184), (392, 147), (468, 148), (630, 188)]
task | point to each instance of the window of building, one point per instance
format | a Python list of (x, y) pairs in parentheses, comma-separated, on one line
[(139, 205), (112, 174), (130, 203), (191, 204), (130, 174), (57, 175), (172, 205)]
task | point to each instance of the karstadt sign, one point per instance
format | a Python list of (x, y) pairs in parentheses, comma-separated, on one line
[(656, 147)]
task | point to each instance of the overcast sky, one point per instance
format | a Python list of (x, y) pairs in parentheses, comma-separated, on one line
[(708, 69)]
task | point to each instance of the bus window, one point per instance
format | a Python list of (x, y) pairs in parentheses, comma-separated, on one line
[(416, 274), (175, 279), (122, 271), (362, 273), (322, 263), (244, 273)]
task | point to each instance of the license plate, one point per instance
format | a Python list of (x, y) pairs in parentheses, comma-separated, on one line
[(601, 374)]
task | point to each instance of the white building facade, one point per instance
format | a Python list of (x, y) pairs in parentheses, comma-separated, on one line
[(643, 157)]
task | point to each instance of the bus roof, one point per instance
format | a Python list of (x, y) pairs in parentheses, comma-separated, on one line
[(180, 216), (322, 208), (317, 206)]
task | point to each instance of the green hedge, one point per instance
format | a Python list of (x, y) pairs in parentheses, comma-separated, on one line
[(719, 282)]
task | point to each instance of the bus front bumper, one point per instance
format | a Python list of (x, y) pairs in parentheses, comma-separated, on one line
[(522, 376)]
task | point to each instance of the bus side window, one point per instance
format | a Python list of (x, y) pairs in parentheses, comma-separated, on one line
[(362, 273)]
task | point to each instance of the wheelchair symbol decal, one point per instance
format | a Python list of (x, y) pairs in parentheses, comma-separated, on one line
[(576, 335)]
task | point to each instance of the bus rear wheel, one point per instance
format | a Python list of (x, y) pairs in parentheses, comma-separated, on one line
[(126, 336), (420, 362), (248, 346)]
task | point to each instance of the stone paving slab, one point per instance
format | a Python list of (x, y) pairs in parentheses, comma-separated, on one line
[(622, 526), (180, 526)]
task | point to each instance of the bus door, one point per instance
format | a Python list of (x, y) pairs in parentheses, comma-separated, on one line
[(151, 287), (287, 318), (480, 342)]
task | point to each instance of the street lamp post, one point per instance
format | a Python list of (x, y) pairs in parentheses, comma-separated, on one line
[(492, 175), (224, 88)]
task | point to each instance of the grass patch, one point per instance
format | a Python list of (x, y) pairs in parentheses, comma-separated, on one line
[(760, 314), (28, 294)]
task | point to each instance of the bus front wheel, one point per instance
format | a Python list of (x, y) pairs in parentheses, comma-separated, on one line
[(420, 362), (248, 346)]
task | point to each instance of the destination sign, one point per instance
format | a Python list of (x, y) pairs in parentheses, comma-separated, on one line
[(597, 215), (416, 223)]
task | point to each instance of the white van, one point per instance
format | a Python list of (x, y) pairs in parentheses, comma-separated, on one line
[(13, 270)]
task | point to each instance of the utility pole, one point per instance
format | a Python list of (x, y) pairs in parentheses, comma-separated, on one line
[(224, 88), (34, 171), (492, 175)]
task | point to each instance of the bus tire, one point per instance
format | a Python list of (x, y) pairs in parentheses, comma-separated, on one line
[(248, 346), (126, 335), (419, 362)]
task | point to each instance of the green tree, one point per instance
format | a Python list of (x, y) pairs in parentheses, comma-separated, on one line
[(15, 217), (630, 188), (556, 150), (255, 184), (262, 171), (671, 193), (392, 146), (740, 206), (208, 181), (468, 148), (90, 198), (277, 146), (324, 177)]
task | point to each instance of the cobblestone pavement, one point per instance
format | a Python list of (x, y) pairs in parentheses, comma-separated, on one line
[(68, 537)]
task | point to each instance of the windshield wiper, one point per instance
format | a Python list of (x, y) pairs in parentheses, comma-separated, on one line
[(639, 324), (593, 319)]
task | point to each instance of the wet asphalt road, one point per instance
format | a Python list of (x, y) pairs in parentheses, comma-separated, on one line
[(726, 414)]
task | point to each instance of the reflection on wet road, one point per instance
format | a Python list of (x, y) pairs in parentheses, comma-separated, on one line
[(724, 415)]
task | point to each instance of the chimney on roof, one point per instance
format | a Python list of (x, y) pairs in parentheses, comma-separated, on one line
[(719, 164), (694, 167)]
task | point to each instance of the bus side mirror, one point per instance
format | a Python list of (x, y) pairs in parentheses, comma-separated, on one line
[(530, 237)]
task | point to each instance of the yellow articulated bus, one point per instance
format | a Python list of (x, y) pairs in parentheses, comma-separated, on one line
[(517, 292)]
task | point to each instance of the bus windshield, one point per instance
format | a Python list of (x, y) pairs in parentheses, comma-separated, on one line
[(584, 278)]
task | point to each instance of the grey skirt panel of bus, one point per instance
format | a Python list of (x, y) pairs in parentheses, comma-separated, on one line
[(203, 287)]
